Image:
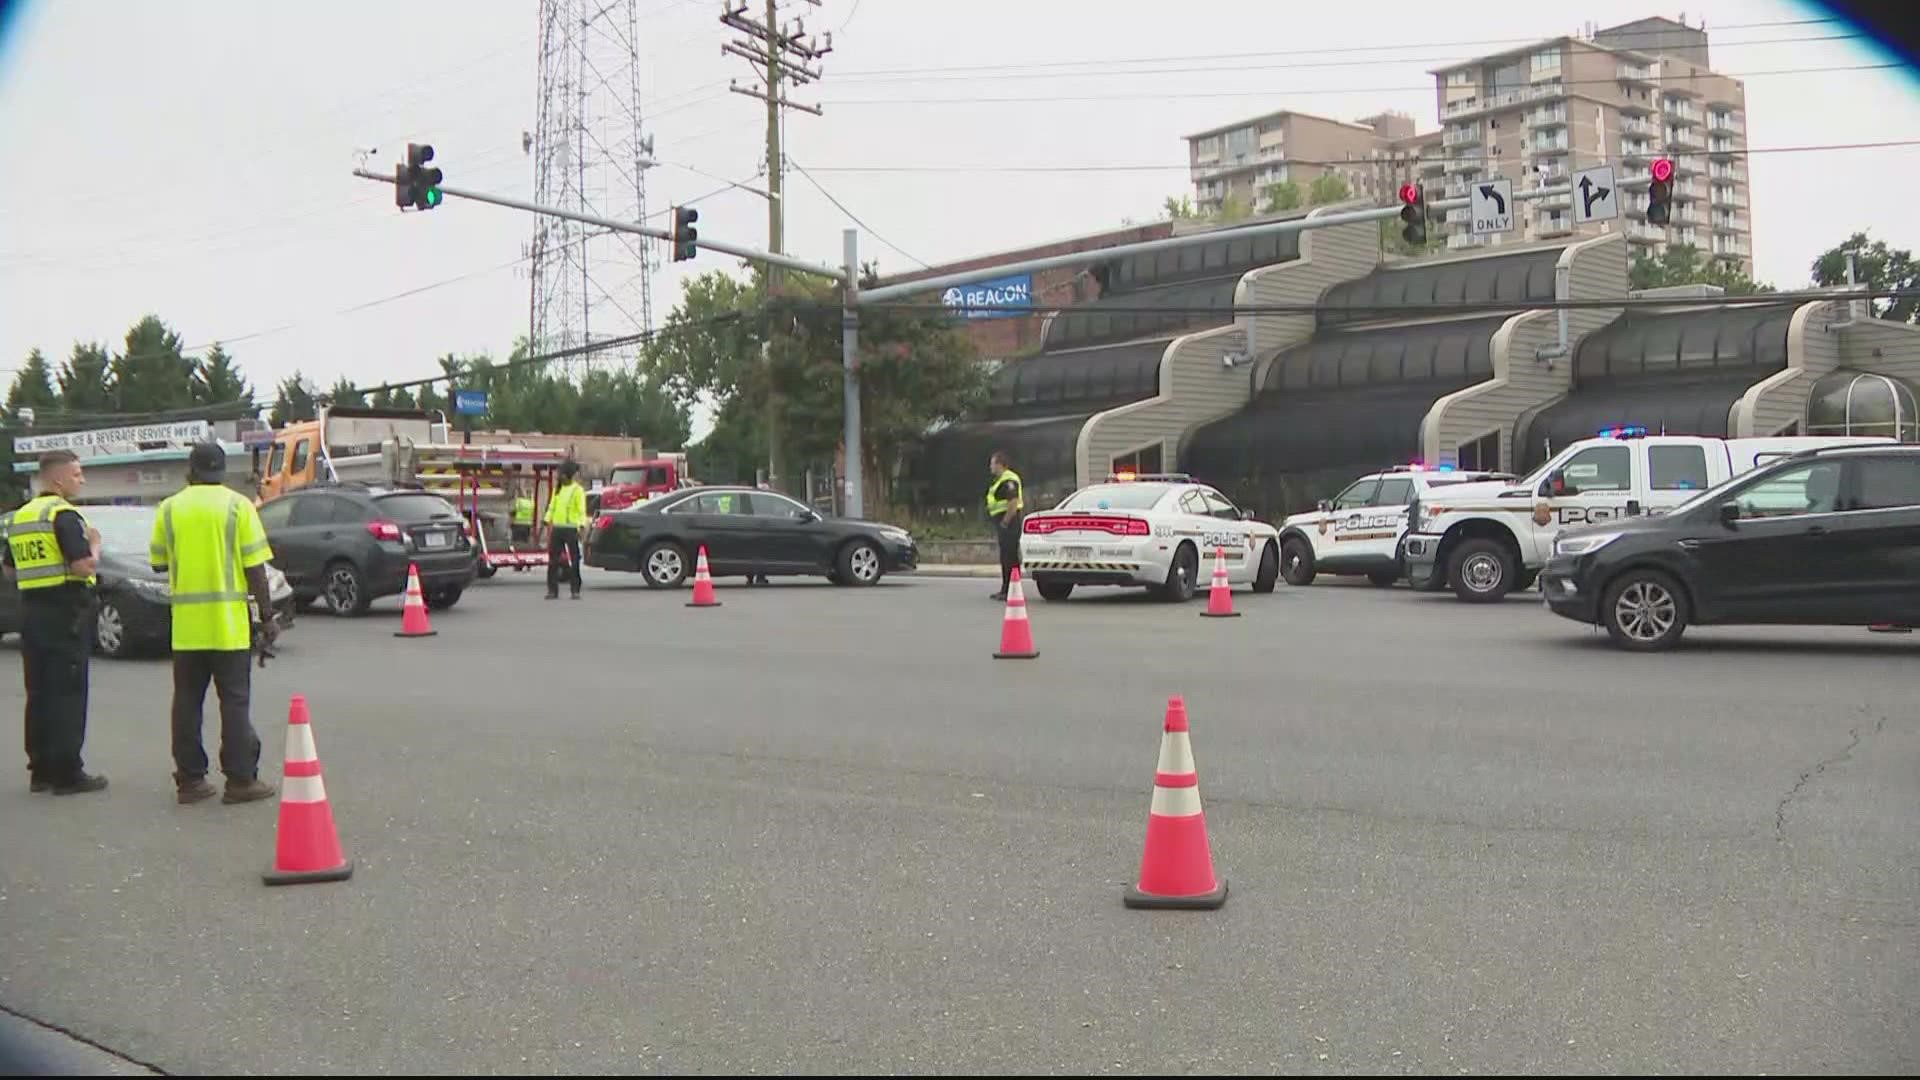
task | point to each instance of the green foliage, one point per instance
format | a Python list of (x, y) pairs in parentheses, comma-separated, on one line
[(1680, 264), (1233, 208), (1393, 243), (151, 374), (218, 381), (1280, 197), (32, 386), (291, 402), (1178, 208), (1328, 188), (83, 380), (1877, 266), (343, 393)]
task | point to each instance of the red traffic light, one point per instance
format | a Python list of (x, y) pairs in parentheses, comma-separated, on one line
[(1409, 193), (1662, 170)]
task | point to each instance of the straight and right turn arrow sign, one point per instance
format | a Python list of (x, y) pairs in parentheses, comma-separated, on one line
[(1595, 196)]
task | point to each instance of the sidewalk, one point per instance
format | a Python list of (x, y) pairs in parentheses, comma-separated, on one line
[(959, 570)]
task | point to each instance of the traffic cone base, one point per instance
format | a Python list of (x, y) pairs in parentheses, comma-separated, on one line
[(308, 846), (413, 610), (1220, 592), (1176, 865), (1016, 633), (703, 583)]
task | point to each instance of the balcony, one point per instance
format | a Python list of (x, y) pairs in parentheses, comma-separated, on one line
[(1728, 223), (1550, 225), (1726, 196), (1465, 240), (1634, 205), (1549, 116), (1633, 176), (1272, 153), (1639, 73), (1723, 146), (1465, 166), (1506, 99), (1432, 166), (1729, 248), (1679, 112), (1635, 151), (1273, 140), (1562, 197), (1460, 215), (1727, 173), (1683, 139), (1687, 163), (1457, 189), (1645, 234), (1685, 214), (1725, 122), (1462, 136), (1633, 108), (1633, 125)]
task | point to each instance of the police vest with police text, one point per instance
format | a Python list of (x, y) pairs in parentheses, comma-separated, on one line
[(38, 562)]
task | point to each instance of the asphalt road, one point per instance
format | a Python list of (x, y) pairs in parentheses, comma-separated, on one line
[(819, 829)]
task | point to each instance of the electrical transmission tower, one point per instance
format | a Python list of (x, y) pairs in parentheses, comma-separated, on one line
[(591, 154)]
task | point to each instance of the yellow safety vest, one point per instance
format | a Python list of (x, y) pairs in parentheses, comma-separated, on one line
[(568, 507), (206, 536), (997, 506), (37, 560), (523, 511)]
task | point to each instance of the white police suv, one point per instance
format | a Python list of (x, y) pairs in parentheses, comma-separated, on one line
[(1155, 530), (1358, 531)]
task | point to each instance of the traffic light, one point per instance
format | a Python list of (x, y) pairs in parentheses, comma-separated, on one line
[(1660, 193), (686, 238), (415, 183), (1413, 212)]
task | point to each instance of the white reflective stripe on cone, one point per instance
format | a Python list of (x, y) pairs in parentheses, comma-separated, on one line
[(1015, 613), (300, 743), (1176, 754), (1168, 801), (310, 789)]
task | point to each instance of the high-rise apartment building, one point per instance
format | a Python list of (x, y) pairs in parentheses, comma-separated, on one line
[(1626, 96), (1240, 162)]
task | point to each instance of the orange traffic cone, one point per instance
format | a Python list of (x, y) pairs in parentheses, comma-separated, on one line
[(1176, 870), (1220, 596), (703, 583), (1016, 634), (413, 614), (308, 848)]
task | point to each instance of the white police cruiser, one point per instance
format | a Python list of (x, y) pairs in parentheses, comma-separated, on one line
[(1358, 531), (1158, 530)]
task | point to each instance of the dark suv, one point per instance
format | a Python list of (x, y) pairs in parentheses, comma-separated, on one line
[(1826, 537), (351, 544)]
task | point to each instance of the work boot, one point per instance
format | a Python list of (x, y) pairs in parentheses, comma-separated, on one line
[(576, 595), (191, 789), (80, 784), (252, 789), (552, 596), (39, 783), (1001, 595)]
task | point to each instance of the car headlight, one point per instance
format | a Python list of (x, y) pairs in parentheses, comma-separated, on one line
[(152, 590), (1583, 545), (898, 536)]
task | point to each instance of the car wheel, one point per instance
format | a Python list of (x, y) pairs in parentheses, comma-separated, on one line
[(346, 589), (1383, 578), (1182, 575), (110, 634), (304, 603), (859, 564), (1296, 562), (1525, 580), (1644, 611), (1481, 571), (665, 565), (1053, 588), (444, 598), (1269, 569)]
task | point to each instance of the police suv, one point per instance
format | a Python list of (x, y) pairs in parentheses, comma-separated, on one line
[(1489, 539), (1358, 531), (1156, 530)]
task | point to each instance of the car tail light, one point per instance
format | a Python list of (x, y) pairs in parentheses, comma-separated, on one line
[(602, 523), (384, 530), (1118, 526)]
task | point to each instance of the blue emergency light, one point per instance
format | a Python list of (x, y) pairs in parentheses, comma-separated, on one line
[(1633, 431)]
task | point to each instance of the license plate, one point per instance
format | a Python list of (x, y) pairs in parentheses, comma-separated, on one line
[(435, 540), (1077, 552)]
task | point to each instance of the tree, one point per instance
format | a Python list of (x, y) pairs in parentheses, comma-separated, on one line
[(1877, 266), (1232, 208), (1393, 243), (395, 399), (1280, 197), (32, 386), (218, 382), (1178, 208), (1328, 188), (83, 380), (151, 374), (292, 402), (1680, 264), (343, 393)]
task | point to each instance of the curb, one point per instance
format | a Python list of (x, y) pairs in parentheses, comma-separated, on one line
[(957, 570)]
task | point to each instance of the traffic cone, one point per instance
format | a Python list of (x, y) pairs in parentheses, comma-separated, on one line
[(1176, 869), (1220, 596), (703, 583), (413, 613), (1016, 634), (308, 848)]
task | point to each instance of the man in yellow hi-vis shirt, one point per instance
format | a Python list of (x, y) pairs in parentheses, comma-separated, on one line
[(566, 517), (208, 540)]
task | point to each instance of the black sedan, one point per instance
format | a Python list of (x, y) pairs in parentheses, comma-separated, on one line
[(746, 532), (135, 609)]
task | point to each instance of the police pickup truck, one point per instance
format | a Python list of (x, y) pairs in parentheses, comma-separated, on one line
[(1488, 539), (1358, 531)]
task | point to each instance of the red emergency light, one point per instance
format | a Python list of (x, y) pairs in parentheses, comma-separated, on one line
[(1662, 169)]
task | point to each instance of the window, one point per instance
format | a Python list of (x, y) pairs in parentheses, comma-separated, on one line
[(1546, 61), (1482, 454), (1359, 493), (300, 454), (1463, 77), (277, 459), (1678, 468), (313, 510), (713, 502), (767, 504), (1123, 496), (1599, 468), (1887, 483), (1813, 488), (1208, 147), (405, 509), (1394, 491), (1192, 503), (1218, 506), (1240, 142), (1144, 460), (274, 515)]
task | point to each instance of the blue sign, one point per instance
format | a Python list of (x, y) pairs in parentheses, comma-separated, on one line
[(470, 402), (1000, 298)]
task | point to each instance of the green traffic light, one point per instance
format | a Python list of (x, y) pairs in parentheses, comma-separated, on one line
[(433, 197)]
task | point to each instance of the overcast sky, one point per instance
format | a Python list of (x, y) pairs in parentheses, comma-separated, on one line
[(190, 158)]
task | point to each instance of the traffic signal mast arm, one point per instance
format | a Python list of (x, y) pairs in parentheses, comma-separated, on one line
[(833, 272)]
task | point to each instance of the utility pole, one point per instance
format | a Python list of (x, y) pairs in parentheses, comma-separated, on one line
[(779, 56)]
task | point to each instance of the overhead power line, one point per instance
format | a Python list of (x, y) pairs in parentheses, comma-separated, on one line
[(855, 218)]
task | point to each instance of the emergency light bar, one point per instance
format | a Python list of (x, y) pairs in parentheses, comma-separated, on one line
[(1632, 431)]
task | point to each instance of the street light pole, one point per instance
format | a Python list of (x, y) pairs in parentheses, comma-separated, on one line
[(850, 362)]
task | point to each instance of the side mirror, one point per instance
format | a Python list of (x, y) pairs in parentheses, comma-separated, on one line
[(1729, 513), (805, 516), (1246, 515), (1325, 506)]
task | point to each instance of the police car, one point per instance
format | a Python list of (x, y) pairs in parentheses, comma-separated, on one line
[(1358, 531), (1154, 530)]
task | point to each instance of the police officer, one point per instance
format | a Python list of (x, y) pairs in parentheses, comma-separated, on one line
[(51, 554), (207, 539), (522, 528), (1004, 502), (566, 516)]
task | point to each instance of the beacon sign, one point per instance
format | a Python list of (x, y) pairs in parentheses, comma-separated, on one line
[(1000, 298)]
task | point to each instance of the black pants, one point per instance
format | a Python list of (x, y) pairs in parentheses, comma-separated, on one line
[(232, 672), (1009, 536), (563, 541), (56, 642)]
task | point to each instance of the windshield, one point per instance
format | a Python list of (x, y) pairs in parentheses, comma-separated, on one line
[(639, 474), (1115, 497), (123, 531), (413, 509)]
